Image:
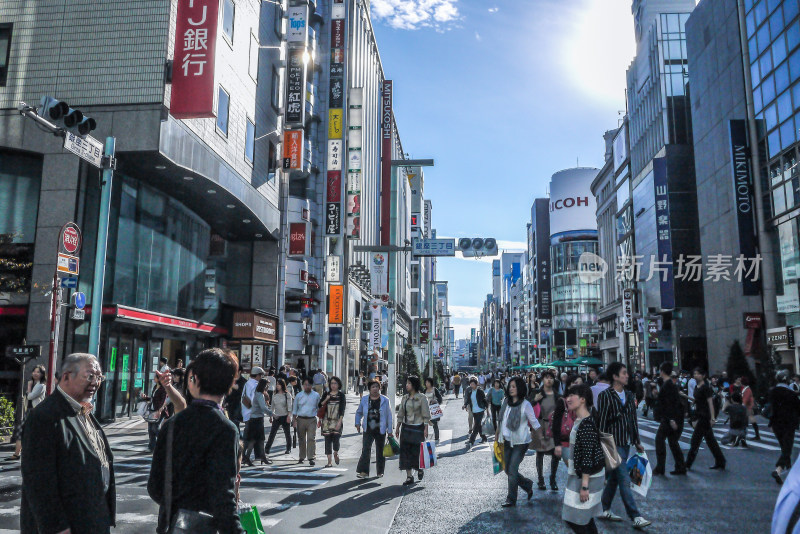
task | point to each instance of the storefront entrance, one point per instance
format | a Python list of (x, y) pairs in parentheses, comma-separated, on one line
[(131, 356)]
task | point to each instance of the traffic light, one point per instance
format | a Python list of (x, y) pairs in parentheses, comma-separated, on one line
[(477, 247), (366, 321), (63, 115)]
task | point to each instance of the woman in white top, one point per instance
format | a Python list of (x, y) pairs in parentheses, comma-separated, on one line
[(34, 394), (516, 420)]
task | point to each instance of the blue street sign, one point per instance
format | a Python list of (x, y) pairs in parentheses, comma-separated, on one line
[(570, 352), (69, 283), (80, 300)]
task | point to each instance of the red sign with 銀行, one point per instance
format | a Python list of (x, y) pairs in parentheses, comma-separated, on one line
[(193, 63)]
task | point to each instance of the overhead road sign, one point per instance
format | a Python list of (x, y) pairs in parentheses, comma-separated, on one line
[(434, 247)]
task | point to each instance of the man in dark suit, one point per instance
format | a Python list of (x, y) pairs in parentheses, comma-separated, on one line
[(67, 467)]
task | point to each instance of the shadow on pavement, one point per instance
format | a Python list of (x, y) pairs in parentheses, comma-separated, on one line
[(357, 504)]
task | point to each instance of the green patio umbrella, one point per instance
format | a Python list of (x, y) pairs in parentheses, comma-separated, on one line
[(586, 360)]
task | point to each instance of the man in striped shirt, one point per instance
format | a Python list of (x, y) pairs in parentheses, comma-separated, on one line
[(616, 415)]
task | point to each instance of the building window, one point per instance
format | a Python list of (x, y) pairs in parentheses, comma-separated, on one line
[(278, 19), (276, 89), (273, 159), (249, 141), (228, 15), (223, 103), (5, 52), (253, 66)]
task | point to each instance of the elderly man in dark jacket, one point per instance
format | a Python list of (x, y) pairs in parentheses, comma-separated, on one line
[(68, 468)]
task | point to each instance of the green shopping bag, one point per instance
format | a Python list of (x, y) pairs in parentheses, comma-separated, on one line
[(395, 446), (251, 521), (388, 451), (497, 457)]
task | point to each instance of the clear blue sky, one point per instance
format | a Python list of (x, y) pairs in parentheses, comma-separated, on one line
[(501, 93)]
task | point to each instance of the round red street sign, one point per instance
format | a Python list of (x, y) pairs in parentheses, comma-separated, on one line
[(71, 238)]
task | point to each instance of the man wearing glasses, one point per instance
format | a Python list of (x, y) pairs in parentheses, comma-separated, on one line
[(67, 467)]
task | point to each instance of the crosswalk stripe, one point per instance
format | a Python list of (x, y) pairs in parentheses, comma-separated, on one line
[(445, 442), (719, 433)]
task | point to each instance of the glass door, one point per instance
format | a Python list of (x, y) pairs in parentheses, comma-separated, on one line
[(124, 385), (138, 365), (110, 386)]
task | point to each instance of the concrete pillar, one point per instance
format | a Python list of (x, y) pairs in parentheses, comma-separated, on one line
[(57, 201)]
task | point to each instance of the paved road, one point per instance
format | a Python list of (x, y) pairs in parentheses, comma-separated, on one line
[(460, 495)]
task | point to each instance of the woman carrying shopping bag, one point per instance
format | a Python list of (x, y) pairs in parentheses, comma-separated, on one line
[(434, 399), (413, 418), (516, 418), (586, 467)]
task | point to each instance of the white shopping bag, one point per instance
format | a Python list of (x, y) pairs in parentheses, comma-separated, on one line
[(641, 473), (436, 411), (427, 454)]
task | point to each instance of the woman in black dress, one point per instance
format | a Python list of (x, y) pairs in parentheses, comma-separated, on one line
[(413, 418)]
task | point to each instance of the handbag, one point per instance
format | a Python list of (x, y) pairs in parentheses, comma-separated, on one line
[(388, 451), (613, 459), (567, 422), (498, 461), (436, 411), (185, 521)]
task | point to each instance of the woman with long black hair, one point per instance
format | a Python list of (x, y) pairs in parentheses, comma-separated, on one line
[(413, 417), (281, 415), (548, 399), (331, 422), (254, 428), (35, 392), (434, 397), (516, 418)]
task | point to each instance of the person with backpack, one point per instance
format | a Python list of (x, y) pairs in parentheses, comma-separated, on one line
[(434, 397), (784, 416), (546, 399)]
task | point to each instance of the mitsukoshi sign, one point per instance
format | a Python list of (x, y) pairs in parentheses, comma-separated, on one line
[(572, 204)]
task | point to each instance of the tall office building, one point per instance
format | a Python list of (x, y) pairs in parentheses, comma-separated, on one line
[(661, 187), (538, 279), (573, 233)]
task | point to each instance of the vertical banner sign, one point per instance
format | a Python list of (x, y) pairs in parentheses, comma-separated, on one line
[(375, 336), (386, 162), (298, 239), (663, 232), (336, 100), (335, 304), (424, 331), (627, 310), (293, 149), (379, 275), (354, 164), (743, 197), (384, 327), (295, 86), (193, 64)]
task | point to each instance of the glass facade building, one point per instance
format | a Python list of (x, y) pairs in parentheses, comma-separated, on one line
[(773, 46)]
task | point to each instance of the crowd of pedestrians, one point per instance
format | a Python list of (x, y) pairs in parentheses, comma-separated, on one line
[(588, 420)]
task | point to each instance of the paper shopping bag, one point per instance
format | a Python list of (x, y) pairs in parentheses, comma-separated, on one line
[(641, 473), (251, 521), (427, 454)]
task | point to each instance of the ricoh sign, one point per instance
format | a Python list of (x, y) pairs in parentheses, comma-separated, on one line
[(572, 205)]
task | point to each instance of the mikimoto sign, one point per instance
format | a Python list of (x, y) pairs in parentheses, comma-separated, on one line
[(70, 241)]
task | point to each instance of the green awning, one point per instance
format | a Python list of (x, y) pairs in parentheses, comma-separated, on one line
[(586, 360)]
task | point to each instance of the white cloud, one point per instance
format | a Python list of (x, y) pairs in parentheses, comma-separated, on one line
[(478, 36), (464, 312), (416, 14), (494, 9)]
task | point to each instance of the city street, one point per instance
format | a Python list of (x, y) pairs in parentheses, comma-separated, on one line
[(460, 495)]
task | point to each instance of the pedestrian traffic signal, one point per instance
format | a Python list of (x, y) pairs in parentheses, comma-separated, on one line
[(63, 115), (366, 321), (477, 247)]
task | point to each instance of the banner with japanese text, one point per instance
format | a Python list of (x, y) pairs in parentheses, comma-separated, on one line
[(193, 65)]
